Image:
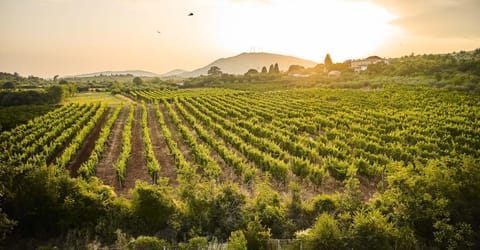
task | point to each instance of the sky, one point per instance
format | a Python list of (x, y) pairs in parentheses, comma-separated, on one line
[(67, 37)]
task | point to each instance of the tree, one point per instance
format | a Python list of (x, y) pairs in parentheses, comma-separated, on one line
[(295, 69), (257, 235), (63, 81), (371, 230), (55, 94), (151, 206), (325, 234), (328, 61), (271, 69), (267, 207), (214, 70), (276, 70), (8, 85), (54, 78), (237, 241), (264, 70), (227, 213), (137, 81), (439, 202), (251, 72), (156, 80)]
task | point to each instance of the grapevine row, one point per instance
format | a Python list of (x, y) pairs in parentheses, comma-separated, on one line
[(227, 155), (87, 169), (200, 152), (121, 164), (78, 140), (152, 164), (184, 169)]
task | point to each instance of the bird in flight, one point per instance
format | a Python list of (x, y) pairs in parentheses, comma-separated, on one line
[(159, 32), (191, 14)]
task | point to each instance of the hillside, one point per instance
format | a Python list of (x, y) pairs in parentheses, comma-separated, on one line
[(174, 72), (241, 63)]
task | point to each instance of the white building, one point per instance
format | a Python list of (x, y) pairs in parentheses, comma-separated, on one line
[(362, 64)]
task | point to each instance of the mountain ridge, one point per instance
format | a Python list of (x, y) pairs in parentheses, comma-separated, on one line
[(117, 72), (241, 63), (238, 64)]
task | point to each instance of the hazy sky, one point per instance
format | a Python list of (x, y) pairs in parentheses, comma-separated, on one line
[(49, 37)]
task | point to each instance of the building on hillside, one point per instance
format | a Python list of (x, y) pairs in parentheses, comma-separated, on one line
[(362, 64)]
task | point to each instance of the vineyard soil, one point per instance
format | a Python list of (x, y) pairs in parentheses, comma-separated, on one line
[(167, 165), (87, 147), (136, 165), (105, 169)]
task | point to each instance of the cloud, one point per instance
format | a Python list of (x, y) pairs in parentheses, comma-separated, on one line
[(436, 18)]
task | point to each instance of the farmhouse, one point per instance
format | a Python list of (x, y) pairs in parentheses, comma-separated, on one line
[(362, 64)]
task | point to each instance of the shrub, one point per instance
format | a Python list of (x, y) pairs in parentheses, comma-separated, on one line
[(325, 234), (237, 241), (147, 243)]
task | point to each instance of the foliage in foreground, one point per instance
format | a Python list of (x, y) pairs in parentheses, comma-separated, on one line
[(430, 206)]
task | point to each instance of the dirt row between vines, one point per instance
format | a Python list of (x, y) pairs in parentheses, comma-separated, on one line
[(137, 166), (182, 146), (106, 168), (137, 163), (88, 145), (160, 148)]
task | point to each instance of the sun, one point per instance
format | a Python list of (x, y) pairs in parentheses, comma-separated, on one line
[(304, 28)]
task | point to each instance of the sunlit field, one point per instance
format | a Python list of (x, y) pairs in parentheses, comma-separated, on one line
[(95, 97)]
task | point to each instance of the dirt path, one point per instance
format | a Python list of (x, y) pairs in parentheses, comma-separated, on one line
[(160, 149), (182, 146), (87, 147), (105, 168), (137, 164)]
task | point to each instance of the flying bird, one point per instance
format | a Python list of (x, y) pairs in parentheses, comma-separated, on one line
[(159, 32), (191, 14)]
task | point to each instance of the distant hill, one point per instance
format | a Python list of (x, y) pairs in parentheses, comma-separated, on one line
[(238, 64), (122, 72), (174, 72), (241, 63)]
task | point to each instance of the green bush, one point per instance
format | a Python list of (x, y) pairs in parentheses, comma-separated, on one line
[(371, 230), (195, 243), (237, 241), (151, 206), (325, 234), (257, 235), (147, 243), (324, 204)]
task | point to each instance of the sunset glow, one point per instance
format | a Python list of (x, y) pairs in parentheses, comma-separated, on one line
[(49, 37), (346, 30)]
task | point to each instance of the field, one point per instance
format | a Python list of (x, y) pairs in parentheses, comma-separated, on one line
[(91, 97), (310, 142)]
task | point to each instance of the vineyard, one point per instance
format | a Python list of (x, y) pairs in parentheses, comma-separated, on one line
[(308, 136), (316, 138)]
